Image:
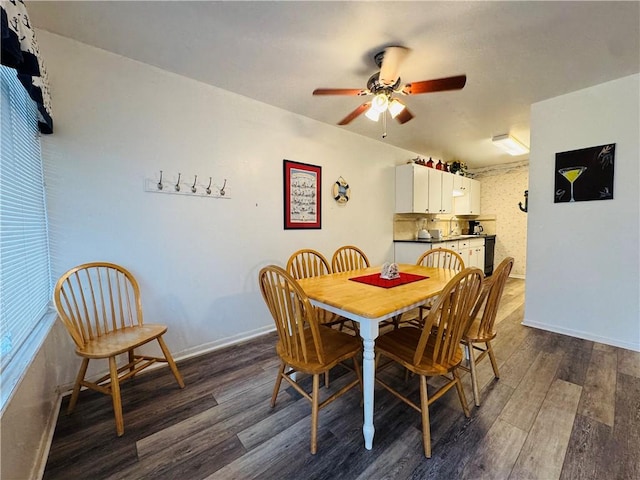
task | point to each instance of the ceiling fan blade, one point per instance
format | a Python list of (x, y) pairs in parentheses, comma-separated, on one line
[(391, 61), (439, 85), (404, 116), (357, 112), (340, 91)]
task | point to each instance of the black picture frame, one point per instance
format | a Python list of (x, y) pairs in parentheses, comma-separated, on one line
[(585, 174)]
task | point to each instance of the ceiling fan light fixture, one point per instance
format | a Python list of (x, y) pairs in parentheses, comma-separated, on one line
[(510, 144), (372, 114), (395, 107), (380, 102)]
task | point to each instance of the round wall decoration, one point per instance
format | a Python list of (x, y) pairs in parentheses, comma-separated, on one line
[(341, 191)]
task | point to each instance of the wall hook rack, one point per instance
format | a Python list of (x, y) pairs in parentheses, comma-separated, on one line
[(525, 209), (163, 183)]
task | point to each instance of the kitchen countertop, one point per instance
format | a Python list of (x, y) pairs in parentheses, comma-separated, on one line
[(446, 239)]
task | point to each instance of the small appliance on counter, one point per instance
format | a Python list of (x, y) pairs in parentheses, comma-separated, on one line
[(423, 233), (436, 234), (475, 228)]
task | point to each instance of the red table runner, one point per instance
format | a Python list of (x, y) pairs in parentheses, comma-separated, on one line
[(375, 280)]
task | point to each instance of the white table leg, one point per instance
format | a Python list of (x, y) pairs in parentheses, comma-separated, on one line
[(368, 332)]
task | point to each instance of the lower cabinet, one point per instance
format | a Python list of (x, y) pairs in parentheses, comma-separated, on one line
[(472, 252), (409, 252), (470, 249)]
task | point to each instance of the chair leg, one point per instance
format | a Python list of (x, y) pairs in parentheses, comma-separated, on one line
[(492, 357), (314, 413), (276, 388), (76, 387), (326, 379), (115, 396), (461, 395), (472, 367), (132, 357), (424, 410), (172, 364)]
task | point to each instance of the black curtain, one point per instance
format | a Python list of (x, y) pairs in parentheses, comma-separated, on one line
[(20, 51)]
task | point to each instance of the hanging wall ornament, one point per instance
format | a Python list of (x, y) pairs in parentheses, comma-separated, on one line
[(341, 191)]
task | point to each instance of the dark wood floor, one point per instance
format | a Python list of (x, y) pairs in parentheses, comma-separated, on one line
[(563, 408)]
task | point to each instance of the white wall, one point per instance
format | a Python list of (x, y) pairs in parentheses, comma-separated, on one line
[(583, 269), (118, 122)]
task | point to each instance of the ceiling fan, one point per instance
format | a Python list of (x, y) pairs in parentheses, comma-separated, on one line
[(385, 86)]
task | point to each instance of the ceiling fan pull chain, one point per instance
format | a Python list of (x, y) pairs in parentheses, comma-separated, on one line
[(384, 124)]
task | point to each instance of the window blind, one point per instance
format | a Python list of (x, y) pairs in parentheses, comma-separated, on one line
[(25, 278)]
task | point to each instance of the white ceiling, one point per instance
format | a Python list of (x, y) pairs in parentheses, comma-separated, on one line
[(513, 53)]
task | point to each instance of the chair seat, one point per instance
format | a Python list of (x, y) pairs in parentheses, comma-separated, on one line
[(338, 346), (473, 333), (400, 345), (120, 341)]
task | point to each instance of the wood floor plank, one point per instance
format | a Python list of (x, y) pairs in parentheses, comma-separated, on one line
[(525, 403), (589, 452), (598, 398), (519, 363), (626, 434), (629, 362), (543, 452), (496, 453)]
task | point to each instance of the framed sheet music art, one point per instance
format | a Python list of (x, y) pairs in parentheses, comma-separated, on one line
[(302, 195)]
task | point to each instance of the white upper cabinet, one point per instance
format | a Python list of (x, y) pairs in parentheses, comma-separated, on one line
[(412, 189), (440, 191), (469, 202), (420, 189)]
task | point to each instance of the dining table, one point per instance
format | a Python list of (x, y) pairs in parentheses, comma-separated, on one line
[(361, 295)]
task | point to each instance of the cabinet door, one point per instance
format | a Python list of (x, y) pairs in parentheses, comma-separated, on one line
[(412, 187), (474, 197), (435, 190), (462, 203), (446, 193)]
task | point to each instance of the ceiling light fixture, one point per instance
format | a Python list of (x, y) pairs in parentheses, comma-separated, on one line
[(395, 107), (372, 114), (510, 144)]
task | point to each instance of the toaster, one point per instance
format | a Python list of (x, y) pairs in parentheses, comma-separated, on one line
[(436, 234)]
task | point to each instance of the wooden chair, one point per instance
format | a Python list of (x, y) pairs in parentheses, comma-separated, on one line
[(99, 304), (441, 258), (348, 258), (307, 263), (303, 346), (434, 349), (482, 330), (438, 258)]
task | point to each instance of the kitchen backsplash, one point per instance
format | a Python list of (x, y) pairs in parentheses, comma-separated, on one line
[(406, 225)]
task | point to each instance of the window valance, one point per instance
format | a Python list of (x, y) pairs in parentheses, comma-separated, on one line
[(20, 51)]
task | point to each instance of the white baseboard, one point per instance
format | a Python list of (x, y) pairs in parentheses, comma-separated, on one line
[(584, 335), (47, 438)]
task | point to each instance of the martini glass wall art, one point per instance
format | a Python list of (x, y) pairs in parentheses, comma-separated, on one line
[(571, 174), (589, 173)]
